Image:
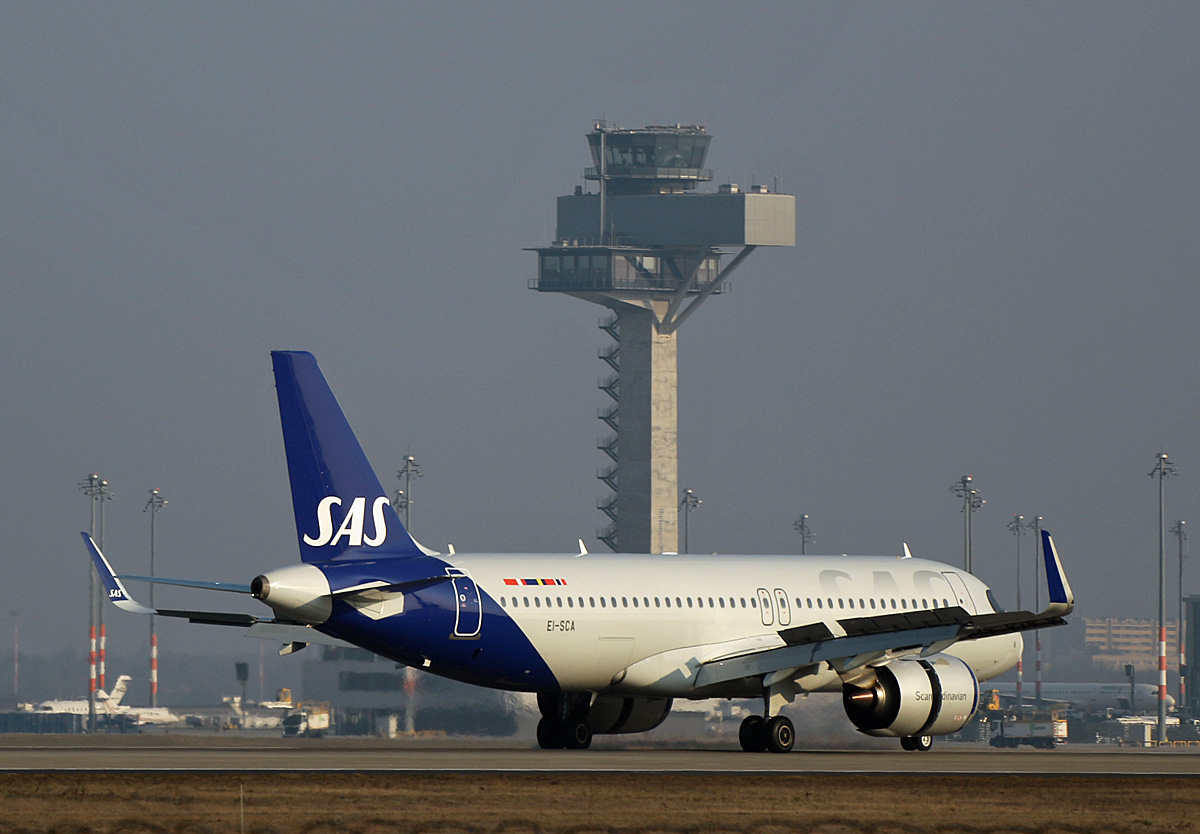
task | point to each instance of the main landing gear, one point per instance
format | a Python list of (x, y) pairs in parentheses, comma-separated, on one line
[(564, 721), (758, 734), (572, 733)]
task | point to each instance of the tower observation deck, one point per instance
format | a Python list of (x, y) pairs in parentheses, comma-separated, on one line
[(650, 247)]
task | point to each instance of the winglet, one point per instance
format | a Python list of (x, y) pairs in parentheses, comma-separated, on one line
[(113, 587), (1062, 600)]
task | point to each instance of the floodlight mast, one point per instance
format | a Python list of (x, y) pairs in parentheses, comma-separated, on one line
[(1017, 528), (688, 503), (1036, 526), (972, 501), (1163, 469), (807, 536), (646, 247), (156, 503), (403, 503), (96, 489)]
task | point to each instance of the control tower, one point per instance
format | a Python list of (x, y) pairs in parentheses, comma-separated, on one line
[(650, 247)]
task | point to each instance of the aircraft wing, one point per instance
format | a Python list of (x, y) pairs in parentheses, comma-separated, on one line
[(866, 640)]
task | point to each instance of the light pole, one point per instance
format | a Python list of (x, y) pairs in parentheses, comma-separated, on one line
[(807, 536), (96, 489), (688, 503), (972, 501), (156, 503), (1036, 526), (1017, 528), (1163, 469), (403, 502), (1181, 534), (410, 470)]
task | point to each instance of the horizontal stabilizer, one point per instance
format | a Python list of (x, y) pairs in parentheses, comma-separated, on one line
[(115, 591), (232, 587)]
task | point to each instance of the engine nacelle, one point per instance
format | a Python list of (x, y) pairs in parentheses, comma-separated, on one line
[(610, 714), (914, 697), (299, 591)]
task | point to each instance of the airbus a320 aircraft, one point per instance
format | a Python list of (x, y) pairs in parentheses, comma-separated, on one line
[(607, 641)]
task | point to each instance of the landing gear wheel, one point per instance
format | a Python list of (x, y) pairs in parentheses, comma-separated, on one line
[(918, 743), (550, 734), (781, 735), (753, 734), (577, 734)]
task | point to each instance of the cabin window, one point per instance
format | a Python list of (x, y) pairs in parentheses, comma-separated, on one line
[(945, 603), (689, 602), (625, 602), (841, 603), (678, 602), (560, 602), (862, 603), (753, 602), (851, 604), (526, 602), (635, 605), (872, 605), (722, 601), (570, 602), (657, 603), (614, 601), (798, 605), (537, 602), (591, 602), (710, 603), (668, 600), (924, 603), (699, 602), (602, 602), (830, 601), (743, 602), (646, 601), (819, 603)]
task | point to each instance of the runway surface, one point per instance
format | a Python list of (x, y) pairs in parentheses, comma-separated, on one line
[(331, 757)]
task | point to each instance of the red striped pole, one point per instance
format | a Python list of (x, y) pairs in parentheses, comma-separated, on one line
[(153, 670), (1162, 670), (100, 671), (91, 659)]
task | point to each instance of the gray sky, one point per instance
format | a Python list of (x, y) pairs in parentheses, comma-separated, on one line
[(995, 274)]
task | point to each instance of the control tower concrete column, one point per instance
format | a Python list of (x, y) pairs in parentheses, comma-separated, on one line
[(646, 245)]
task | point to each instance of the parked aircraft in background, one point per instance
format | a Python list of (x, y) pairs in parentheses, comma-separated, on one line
[(1086, 697), (109, 704), (106, 703), (608, 640)]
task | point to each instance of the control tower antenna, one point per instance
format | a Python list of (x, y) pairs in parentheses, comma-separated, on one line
[(647, 246)]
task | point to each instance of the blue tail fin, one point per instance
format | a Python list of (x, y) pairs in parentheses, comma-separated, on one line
[(341, 509)]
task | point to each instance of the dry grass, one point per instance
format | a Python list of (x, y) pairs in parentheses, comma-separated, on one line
[(72, 803)]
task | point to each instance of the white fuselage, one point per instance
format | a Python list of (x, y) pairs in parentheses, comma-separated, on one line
[(643, 625)]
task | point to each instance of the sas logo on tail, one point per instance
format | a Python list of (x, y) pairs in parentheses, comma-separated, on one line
[(352, 524)]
